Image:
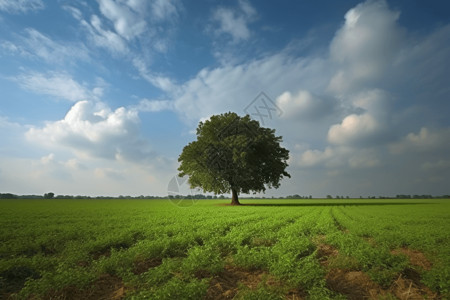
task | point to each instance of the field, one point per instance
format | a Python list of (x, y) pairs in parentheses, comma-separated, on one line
[(267, 249)]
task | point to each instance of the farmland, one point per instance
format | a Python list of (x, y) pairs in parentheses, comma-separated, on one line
[(266, 249)]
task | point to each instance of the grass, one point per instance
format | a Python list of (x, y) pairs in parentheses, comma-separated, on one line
[(266, 249)]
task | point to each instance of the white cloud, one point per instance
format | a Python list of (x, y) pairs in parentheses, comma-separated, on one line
[(146, 105), (303, 106), (58, 85), (334, 158), (164, 10), (162, 82), (21, 6), (82, 177), (104, 38), (365, 46), (127, 22), (75, 12), (235, 21), (37, 45), (425, 141), (353, 129), (232, 88), (94, 130)]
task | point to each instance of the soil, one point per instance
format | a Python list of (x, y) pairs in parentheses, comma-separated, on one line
[(416, 258), (358, 285), (226, 284), (106, 287), (144, 265)]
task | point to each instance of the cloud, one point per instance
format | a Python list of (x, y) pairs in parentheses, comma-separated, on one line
[(231, 87), (163, 10), (34, 44), (103, 37), (353, 128), (127, 21), (94, 130), (57, 85), (93, 177), (234, 22), (365, 45), (425, 141), (335, 158), (162, 82), (21, 6), (146, 105), (304, 106)]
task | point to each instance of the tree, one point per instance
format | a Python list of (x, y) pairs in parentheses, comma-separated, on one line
[(234, 154), (49, 195)]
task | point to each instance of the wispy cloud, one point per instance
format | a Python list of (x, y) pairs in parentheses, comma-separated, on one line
[(146, 105), (34, 44), (127, 19), (235, 21), (21, 6), (104, 38), (162, 82), (58, 85)]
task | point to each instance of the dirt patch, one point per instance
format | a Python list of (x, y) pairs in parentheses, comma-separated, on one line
[(408, 286), (143, 266), (226, 284), (416, 258), (101, 253), (358, 285), (325, 252), (106, 287), (353, 284), (256, 241)]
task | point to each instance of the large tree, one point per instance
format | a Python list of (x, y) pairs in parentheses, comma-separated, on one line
[(234, 154)]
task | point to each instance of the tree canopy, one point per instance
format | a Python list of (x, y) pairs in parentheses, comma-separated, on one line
[(236, 154)]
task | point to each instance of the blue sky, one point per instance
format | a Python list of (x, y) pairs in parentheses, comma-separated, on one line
[(99, 97)]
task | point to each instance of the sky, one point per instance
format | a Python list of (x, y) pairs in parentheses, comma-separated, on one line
[(100, 97)]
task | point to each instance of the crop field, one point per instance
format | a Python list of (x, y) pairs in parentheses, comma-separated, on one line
[(265, 249)]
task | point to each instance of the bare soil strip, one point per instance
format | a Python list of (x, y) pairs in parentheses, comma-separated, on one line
[(416, 258), (358, 285), (226, 284), (106, 287)]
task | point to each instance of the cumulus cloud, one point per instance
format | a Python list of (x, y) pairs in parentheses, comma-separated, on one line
[(365, 45), (354, 128), (21, 6), (234, 22), (94, 130), (232, 87), (304, 105), (426, 140), (57, 85)]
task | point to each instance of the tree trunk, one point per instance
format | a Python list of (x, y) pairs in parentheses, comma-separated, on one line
[(234, 198)]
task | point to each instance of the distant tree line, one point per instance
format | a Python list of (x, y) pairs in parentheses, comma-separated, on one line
[(51, 195)]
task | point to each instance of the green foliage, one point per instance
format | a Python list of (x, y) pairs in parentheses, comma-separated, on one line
[(202, 259), (261, 293), (160, 251), (176, 288), (234, 153)]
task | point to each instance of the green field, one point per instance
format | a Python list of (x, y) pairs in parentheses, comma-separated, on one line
[(267, 249)]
